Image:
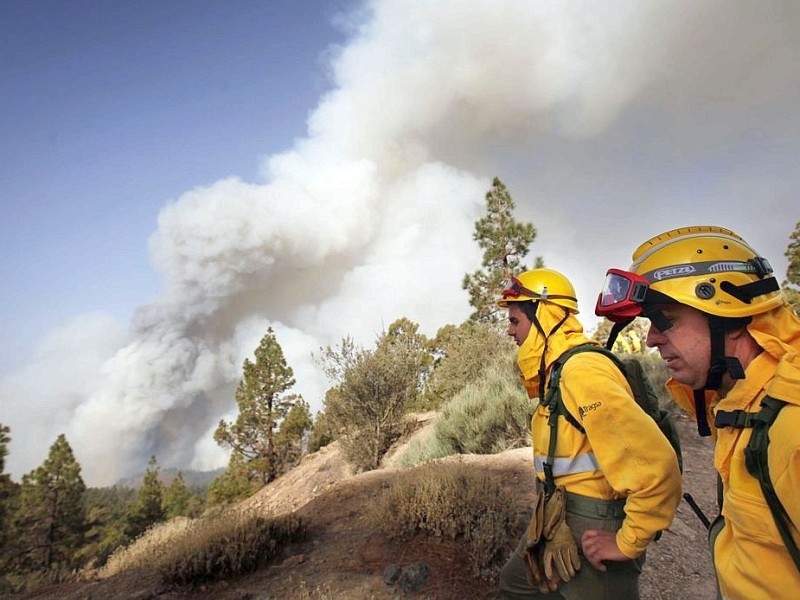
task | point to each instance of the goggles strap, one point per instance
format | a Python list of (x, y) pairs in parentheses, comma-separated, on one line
[(616, 329)]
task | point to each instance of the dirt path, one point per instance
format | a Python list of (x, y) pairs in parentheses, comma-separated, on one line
[(679, 564)]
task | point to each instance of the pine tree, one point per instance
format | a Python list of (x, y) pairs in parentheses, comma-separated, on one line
[(177, 498), (262, 407), (147, 509), (105, 522), (6, 485), (9, 491), (50, 520), (791, 285), (504, 242), (104, 534)]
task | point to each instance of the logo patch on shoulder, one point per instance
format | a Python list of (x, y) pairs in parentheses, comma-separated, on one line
[(583, 410)]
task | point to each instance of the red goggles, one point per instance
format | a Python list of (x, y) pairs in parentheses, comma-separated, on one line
[(622, 296), (515, 289)]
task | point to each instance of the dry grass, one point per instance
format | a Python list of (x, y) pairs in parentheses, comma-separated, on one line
[(450, 501), (191, 551), (150, 547)]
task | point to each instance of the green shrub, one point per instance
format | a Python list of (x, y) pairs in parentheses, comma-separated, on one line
[(488, 416), (463, 353), (453, 502)]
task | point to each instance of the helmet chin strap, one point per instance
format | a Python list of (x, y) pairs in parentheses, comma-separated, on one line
[(720, 364)]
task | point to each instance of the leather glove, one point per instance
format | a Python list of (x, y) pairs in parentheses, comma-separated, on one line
[(560, 550), (534, 533), (536, 576), (533, 538)]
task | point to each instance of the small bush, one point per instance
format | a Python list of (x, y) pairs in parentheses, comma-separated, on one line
[(488, 416), (148, 549), (420, 451), (450, 501), (224, 550), (187, 551)]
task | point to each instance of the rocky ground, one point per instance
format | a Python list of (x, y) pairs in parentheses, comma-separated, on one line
[(344, 558)]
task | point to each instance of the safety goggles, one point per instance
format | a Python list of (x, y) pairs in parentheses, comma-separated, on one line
[(515, 289), (622, 295), (627, 295)]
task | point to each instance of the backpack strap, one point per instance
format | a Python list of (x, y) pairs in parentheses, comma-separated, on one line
[(756, 461), (552, 401)]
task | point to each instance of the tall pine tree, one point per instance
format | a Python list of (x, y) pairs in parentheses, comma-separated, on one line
[(504, 242), (263, 404), (50, 520)]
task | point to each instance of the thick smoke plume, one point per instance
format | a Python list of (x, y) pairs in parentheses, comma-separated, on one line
[(608, 123)]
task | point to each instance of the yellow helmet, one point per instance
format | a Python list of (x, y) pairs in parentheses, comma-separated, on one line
[(708, 268), (540, 284)]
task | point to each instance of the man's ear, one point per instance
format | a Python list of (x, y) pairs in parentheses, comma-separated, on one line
[(741, 344), (736, 333)]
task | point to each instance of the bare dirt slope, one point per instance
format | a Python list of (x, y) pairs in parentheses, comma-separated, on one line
[(344, 558)]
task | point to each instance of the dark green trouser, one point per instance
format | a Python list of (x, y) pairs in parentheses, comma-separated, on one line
[(713, 531), (619, 582)]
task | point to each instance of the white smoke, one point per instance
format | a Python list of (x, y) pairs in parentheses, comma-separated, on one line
[(609, 124)]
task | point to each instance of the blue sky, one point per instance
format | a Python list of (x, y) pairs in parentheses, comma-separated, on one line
[(111, 109), (179, 176)]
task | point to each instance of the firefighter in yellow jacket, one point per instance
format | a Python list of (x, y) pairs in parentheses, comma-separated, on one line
[(615, 477), (731, 342)]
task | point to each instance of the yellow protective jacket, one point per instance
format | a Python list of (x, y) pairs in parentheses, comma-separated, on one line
[(622, 453), (750, 558)]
